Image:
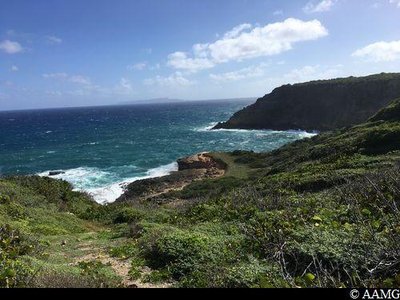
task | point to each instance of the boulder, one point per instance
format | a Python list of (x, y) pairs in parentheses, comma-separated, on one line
[(198, 161), (55, 173)]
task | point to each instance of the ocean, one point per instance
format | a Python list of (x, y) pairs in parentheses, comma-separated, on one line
[(100, 149)]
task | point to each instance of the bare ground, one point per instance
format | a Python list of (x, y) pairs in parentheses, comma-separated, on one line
[(121, 267)]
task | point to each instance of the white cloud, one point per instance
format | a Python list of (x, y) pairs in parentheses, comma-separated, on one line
[(380, 51), (51, 39), (84, 87), (180, 60), (125, 84), (124, 88), (242, 43), (55, 76), (302, 74), (249, 72), (308, 73), (265, 41), (11, 47), (54, 93), (77, 79), (237, 30), (322, 6), (14, 68), (173, 80), (138, 67), (397, 2)]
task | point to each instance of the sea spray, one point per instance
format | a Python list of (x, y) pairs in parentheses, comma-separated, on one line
[(104, 186)]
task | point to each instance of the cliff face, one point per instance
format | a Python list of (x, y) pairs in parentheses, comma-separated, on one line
[(319, 105)]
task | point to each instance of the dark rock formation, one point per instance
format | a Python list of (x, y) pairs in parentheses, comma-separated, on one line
[(55, 173), (319, 105), (199, 161)]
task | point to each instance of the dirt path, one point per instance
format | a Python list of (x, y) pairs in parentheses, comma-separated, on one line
[(121, 267)]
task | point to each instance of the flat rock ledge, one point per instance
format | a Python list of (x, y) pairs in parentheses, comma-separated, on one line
[(193, 168), (200, 161)]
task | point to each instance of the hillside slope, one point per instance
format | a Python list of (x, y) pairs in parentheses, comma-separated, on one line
[(320, 212), (318, 105)]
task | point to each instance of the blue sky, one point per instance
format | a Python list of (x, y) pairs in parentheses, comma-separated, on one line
[(56, 53)]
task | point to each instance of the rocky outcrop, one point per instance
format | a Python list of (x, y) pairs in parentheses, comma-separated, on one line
[(55, 173), (319, 105), (193, 168), (199, 161)]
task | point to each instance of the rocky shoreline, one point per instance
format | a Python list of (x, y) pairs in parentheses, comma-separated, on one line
[(193, 168)]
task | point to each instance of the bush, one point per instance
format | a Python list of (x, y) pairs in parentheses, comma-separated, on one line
[(127, 215), (196, 258), (13, 271), (97, 272), (5, 199), (15, 211)]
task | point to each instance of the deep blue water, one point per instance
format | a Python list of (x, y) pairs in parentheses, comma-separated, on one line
[(99, 148)]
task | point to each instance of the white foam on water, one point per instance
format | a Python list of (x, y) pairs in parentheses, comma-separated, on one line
[(96, 182), (258, 132), (107, 194), (209, 127), (303, 134)]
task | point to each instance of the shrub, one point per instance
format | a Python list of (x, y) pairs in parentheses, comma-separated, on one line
[(127, 215), (194, 257), (13, 271), (157, 276), (15, 211), (5, 199), (98, 272)]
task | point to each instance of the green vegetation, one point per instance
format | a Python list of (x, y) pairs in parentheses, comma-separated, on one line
[(320, 212), (235, 170)]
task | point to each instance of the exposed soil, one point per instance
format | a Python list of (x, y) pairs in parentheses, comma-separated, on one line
[(121, 267)]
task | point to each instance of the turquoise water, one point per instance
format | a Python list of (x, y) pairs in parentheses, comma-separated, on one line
[(100, 149)]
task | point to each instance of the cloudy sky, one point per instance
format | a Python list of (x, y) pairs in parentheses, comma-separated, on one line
[(56, 53)]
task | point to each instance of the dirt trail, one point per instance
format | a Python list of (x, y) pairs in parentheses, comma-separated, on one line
[(121, 267)]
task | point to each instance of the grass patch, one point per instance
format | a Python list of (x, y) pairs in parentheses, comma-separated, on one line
[(234, 169)]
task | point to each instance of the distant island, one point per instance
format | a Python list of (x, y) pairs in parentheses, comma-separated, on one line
[(318, 105), (171, 100)]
